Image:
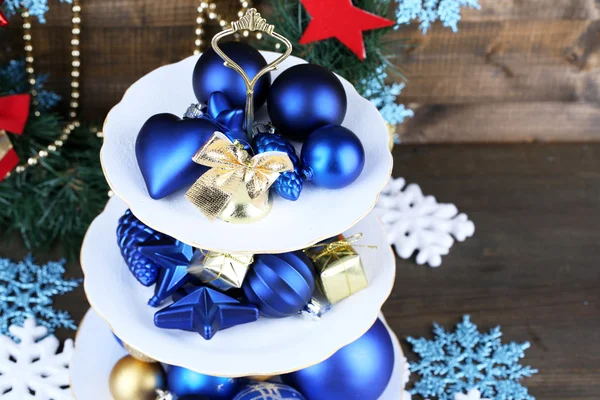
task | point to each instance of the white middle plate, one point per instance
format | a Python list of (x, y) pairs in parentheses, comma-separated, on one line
[(265, 347)]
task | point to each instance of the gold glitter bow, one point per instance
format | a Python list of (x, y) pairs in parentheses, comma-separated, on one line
[(232, 166), (336, 249)]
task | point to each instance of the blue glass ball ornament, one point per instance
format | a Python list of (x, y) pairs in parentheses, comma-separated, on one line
[(184, 382), (280, 284), (358, 371), (332, 157), (269, 391), (211, 75), (193, 397), (119, 340), (164, 149), (131, 233), (289, 184), (304, 98)]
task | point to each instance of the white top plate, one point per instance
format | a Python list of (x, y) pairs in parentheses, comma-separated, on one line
[(97, 351), (317, 215), (265, 347)]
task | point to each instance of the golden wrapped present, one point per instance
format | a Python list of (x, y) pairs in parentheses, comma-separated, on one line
[(235, 175), (340, 272), (222, 271)]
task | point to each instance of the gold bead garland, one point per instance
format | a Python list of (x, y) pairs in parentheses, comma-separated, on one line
[(208, 9), (30, 70)]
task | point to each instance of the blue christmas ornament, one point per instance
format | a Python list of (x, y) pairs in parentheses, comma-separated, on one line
[(289, 184), (358, 371), (131, 233), (205, 311), (333, 157), (118, 340), (280, 284), (173, 260), (184, 382), (304, 98), (268, 391), (229, 119), (164, 149), (211, 75)]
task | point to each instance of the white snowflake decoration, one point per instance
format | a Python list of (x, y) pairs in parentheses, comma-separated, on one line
[(472, 394), (31, 369), (419, 223)]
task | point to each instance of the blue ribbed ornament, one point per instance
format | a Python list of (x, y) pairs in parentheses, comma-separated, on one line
[(289, 184), (131, 233), (280, 285), (268, 391), (358, 371)]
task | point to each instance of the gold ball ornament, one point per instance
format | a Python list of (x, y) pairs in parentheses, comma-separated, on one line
[(392, 133), (138, 355), (261, 378), (132, 379)]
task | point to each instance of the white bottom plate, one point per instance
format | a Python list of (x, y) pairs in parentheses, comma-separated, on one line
[(97, 351)]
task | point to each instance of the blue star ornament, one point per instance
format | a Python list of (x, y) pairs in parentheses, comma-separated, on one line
[(173, 260), (205, 311)]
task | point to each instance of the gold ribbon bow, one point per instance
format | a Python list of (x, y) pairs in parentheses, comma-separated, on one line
[(336, 249), (232, 166)]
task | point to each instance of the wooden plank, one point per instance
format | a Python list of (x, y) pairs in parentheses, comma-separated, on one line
[(503, 122), (536, 210)]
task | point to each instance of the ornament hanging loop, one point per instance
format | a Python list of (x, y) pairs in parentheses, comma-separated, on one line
[(251, 21)]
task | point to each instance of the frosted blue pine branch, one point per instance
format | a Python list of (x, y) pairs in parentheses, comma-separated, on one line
[(429, 11), (36, 8), (466, 359), (384, 96), (13, 76)]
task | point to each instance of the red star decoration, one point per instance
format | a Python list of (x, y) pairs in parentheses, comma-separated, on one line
[(3, 19), (340, 19)]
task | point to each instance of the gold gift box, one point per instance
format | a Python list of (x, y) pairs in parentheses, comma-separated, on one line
[(339, 269), (220, 270)]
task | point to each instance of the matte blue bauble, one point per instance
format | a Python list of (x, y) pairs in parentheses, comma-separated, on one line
[(211, 75), (304, 98), (358, 371), (280, 284), (164, 149), (184, 382), (333, 157), (268, 391)]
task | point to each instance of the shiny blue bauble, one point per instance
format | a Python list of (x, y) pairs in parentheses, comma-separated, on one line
[(268, 391), (358, 371), (211, 75), (304, 98), (184, 382), (280, 284), (193, 397), (164, 149), (333, 157)]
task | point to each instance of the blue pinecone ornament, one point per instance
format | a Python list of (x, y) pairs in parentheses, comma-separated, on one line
[(289, 184), (131, 232)]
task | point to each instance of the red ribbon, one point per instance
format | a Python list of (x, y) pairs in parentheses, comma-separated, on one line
[(3, 19), (14, 111)]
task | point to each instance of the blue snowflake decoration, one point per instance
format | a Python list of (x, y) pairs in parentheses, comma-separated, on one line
[(36, 8), (455, 362), (27, 289), (429, 11), (13, 80)]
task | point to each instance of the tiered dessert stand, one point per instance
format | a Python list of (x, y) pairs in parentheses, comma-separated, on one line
[(267, 346)]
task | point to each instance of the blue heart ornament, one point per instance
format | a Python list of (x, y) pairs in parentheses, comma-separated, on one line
[(164, 149)]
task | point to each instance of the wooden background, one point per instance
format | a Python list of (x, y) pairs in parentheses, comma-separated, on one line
[(518, 70)]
